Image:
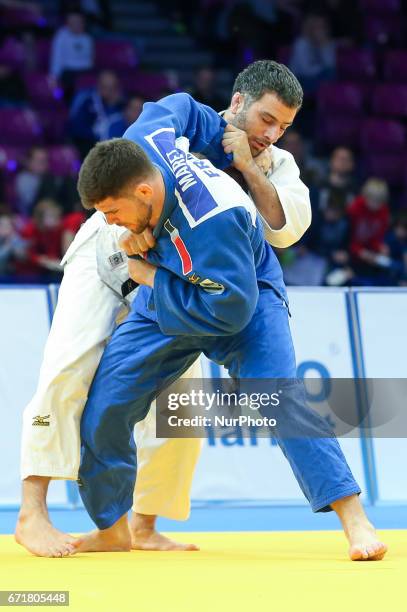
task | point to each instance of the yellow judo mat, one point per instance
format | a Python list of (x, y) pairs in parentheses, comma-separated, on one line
[(239, 572)]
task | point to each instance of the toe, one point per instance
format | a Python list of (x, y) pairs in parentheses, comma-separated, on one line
[(358, 553), (191, 547)]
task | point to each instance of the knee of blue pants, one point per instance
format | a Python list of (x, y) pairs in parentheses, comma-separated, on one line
[(264, 348), (138, 360)]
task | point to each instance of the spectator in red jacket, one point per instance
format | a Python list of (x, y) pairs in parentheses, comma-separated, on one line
[(12, 246), (369, 218), (71, 224), (43, 236)]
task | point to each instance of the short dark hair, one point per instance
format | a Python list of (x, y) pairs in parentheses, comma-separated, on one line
[(268, 76), (110, 168)]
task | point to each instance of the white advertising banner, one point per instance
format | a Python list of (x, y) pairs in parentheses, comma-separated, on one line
[(24, 326), (383, 328), (235, 469), (231, 469)]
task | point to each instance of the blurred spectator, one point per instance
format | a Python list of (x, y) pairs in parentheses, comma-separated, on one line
[(329, 237), (12, 246), (29, 181), (313, 56), (204, 89), (301, 266), (340, 183), (94, 111), (369, 217), (12, 88), (311, 171), (396, 248), (72, 51), (131, 113), (35, 182), (322, 256), (43, 235)]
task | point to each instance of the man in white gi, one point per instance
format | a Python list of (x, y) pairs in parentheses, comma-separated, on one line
[(265, 101)]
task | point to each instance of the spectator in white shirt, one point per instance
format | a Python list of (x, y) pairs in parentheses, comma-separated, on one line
[(72, 51), (313, 56)]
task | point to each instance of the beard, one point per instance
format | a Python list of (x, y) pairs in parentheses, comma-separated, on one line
[(240, 121), (144, 213)]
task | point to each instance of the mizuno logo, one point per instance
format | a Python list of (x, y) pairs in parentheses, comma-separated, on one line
[(40, 421)]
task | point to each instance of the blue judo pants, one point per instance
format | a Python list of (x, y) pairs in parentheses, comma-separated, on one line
[(140, 361)]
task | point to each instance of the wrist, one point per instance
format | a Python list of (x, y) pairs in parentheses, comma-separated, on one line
[(250, 169), (151, 277)]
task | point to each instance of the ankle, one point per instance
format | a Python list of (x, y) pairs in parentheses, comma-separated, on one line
[(30, 512), (143, 523)]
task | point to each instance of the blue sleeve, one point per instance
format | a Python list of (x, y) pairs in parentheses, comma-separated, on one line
[(223, 295), (180, 112)]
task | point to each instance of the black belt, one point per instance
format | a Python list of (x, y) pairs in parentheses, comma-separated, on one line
[(130, 285)]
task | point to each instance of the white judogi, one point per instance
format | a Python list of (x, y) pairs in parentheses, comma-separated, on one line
[(84, 319)]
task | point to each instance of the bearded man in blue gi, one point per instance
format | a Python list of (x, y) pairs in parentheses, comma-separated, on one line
[(210, 285)]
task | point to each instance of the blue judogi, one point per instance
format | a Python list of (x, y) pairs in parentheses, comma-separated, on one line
[(218, 290)]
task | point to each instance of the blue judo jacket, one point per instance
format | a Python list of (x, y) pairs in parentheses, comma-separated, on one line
[(210, 252)]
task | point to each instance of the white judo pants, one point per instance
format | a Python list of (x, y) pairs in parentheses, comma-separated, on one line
[(84, 319)]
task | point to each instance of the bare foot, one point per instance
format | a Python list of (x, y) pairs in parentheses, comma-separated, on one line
[(144, 535), (114, 539), (150, 539), (35, 532), (365, 545)]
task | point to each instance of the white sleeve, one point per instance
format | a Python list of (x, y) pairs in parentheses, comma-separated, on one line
[(294, 198)]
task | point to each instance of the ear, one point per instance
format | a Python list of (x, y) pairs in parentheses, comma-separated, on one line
[(144, 191), (237, 102)]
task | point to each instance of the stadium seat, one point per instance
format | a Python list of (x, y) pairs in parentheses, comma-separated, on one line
[(381, 135), (20, 127), (64, 160), (43, 51), (149, 85), (383, 30), (41, 91), (381, 7), (10, 158), (340, 98), (390, 100), (12, 52), (395, 65), (10, 161), (115, 55), (20, 16), (391, 167), (355, 64), (54, 124), (339, 130)]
